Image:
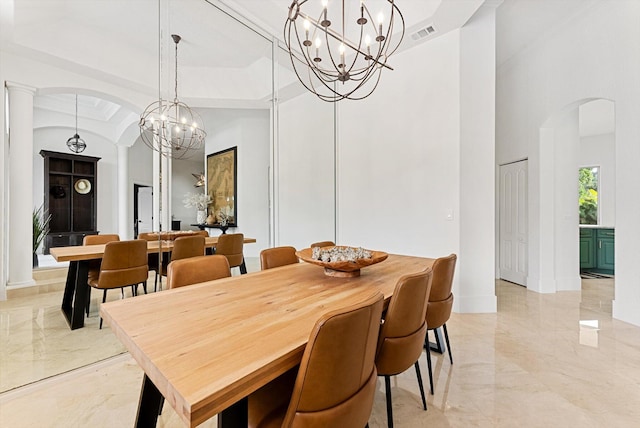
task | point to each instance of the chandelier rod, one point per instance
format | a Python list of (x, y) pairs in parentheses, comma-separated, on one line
[(340, 38), (176, 38), (76, 114)]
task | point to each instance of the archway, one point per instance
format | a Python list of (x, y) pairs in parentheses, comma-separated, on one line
[(553, 214)]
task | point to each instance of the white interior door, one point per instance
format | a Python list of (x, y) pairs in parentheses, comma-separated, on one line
[(145, 209), (514, 242)]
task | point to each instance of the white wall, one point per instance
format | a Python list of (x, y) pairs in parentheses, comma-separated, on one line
[(399, 155), (568, 66), (600, 150), (476, 261), (305, 172), (250, 131)]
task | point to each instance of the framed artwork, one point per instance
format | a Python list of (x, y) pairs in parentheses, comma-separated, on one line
[(222, 185)]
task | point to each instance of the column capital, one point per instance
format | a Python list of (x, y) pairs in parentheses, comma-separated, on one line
[(14, 86)]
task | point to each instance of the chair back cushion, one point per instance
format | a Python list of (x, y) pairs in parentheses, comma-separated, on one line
[(402, 334), (230, 245), (99, 239), (197, 269), (336, 381), (94, 265), (323, 244), (187, 246), (278, 256), (441, 297), (124, 263)]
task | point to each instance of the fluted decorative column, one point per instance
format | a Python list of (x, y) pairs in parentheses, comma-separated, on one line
[(124, 225), (20, 184)]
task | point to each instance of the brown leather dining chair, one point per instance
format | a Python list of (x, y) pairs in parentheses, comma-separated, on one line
[(336, 382), (183, 248), (231, 246), (403, 331), (440, 304), (94, 265), (323, 244), (197, 269), (124, 264), (278, 256)]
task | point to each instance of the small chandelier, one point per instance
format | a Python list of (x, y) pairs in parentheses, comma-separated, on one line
[(171, 127), (341, 53), (75, 143)]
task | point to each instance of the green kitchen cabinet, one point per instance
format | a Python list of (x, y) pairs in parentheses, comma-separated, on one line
[(597, 250), (587, 248), (605, 251)]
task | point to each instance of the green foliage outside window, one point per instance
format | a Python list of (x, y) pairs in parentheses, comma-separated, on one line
[(588, 195)]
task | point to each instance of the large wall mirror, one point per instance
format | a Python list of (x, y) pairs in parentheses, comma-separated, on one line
[(226, 73)]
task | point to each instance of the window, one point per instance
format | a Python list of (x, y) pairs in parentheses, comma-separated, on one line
[(588, 194)]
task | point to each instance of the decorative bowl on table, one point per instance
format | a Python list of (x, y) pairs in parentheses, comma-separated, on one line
[(341, 261)]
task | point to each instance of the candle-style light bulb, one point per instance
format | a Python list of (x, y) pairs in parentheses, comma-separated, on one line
[(306, 24), (362, 20), (325, 4), (380, 21), (318, 44), (341, 49), (367, 42)]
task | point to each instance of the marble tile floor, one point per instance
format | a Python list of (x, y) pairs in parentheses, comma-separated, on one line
[(556, 360)]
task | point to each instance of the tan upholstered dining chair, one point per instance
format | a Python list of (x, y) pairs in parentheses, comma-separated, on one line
[(323, 244), (403, 331), (440, 304), (336, 382), (94, 265), (279, 256), (197, 269), (124, 264), (183, 248), (231, 246)]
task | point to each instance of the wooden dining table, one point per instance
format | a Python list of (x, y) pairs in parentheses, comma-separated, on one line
[(206, 347), (76, 287)]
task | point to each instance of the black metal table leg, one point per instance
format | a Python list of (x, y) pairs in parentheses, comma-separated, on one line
[(69, 291), (235, 416), (74, 299), (437, 346), (148, 405), (243, 267)]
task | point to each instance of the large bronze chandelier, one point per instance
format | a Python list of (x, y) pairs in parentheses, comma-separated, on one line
[(339, 52), (171, 127)]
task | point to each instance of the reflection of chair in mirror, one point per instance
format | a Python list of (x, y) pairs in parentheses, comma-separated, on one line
[(94, 265), (336, 382), (183, 248), (124, 264), (323, 244), (402, 334), (278, 256), (440, 305), (230, 246), (197, 269)]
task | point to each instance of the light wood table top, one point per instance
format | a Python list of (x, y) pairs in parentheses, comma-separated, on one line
[(208, 345), (89, 252)]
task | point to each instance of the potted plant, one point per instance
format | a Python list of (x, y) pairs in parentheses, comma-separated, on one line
[(41, 221)]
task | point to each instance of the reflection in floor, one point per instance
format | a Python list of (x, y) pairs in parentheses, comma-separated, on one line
[(542, 360)]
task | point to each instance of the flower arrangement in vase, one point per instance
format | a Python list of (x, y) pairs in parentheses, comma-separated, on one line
[(200, 202)]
